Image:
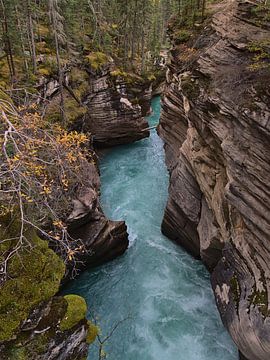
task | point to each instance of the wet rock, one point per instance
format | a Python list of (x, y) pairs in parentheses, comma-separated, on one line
[(102, 239), (43, 338), (215, 124)]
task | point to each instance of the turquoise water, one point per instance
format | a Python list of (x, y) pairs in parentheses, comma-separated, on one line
[(163, 293)]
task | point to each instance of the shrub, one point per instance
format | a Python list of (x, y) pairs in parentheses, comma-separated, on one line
[(96, 60), (181, 36), (42, 167)]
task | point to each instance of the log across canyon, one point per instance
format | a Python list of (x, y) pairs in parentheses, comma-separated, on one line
[(216, 127)]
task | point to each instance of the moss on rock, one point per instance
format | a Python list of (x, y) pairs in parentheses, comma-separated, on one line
[(79, 81), (76, 311), (128, 77), (235, 288), (34, 275), (96, 60), (74, 111), (182, 36), (190, 88), (92, 332), (260, 299)]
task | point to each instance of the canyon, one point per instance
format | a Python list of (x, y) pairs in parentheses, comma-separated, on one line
[(215, 125)]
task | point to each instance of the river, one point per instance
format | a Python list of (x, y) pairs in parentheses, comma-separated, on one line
[(162, 294)]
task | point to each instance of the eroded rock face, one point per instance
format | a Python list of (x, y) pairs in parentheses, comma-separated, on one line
[(216, 127), (101, 102), (34, 322), (102, 239), (112, 118), (96, 238)]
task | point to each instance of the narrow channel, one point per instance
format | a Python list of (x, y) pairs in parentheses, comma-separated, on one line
[(163, 294)]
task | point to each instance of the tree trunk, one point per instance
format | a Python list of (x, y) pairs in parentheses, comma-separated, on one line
[(59, 67), (8, 48), (22, 40), (32, 37)]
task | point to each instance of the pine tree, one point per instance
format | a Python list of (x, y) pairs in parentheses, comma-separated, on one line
[(60, 39)]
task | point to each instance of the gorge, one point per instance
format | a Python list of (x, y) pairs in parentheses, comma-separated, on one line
[(91, 193), (161, 293)]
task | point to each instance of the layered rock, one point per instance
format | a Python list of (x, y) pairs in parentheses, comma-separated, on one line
[(102, 239), (41, 335), (113, 119), (100, 100), (216, 127)]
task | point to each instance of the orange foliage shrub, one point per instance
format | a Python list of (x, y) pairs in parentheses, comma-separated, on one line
[(42, 167)]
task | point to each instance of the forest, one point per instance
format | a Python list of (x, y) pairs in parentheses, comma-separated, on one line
[(39, 37)]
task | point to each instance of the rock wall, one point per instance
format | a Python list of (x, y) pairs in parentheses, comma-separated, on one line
[(113, 119), (105, 102), (102, 239), (216, 127)]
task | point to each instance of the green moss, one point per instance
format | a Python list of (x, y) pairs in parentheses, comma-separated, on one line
[(73, 110), (43, 30), (128, 77), (79, 81), (34, 275), (261, 57), (17, 353), (44, 72), (39, 345), (77, 76), (49, 67), (260, 14), (42, 48), (235, 289), (119, 73), (96, 60), (76, 311), (31, 348), (151, 77), (26, 348), (92, 332), (181, 36)]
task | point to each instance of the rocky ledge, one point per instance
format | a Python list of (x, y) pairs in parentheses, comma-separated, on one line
[(100, 100), (216, 128), (102, 239), (113, 118)]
